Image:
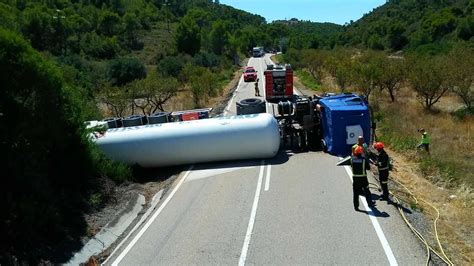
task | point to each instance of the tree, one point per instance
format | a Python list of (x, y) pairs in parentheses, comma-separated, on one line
[(167, 16), (118, 100), (466, 28), (38, 27), (332, 60), (440, 23), (461, 74), (202, 82), (396, 38), (188, 36), (375, 42), (124, 70), (132, 26), (367, 72), (152, 93), (392, 75), (343, 73), (428, 78), (219, 37), (109, 23), (173, 65), (314, 62)]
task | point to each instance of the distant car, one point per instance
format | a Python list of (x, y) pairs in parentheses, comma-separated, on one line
[(250, 74)]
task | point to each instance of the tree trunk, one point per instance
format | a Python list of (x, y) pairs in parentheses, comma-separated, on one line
[(392, 95)]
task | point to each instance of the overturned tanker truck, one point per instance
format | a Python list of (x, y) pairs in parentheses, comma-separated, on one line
[(258, 131)]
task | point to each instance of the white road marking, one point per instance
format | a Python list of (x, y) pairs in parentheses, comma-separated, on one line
[(142, 231), (267, 177), (248, 235), (296, 91), (263, 68), (375, 223)]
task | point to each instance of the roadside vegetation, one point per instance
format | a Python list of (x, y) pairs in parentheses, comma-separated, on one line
[(407, 93), (432, 92), (52, 173)]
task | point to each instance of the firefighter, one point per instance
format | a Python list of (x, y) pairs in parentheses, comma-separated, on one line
[(383, 165), (425, 140), (360, 184), (361, 143), (257, 91)]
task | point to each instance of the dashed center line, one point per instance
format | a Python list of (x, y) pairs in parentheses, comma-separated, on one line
[(267, 177)]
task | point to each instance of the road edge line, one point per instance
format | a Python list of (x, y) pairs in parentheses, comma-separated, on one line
[(149, 222), (375, 223)]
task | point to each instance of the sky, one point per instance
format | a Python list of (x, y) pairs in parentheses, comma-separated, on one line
[(335, 11)]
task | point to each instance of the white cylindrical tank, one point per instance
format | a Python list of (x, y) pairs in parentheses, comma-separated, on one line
[(217, 139)]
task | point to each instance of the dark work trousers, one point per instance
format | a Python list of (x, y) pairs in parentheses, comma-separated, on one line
[(360, 186), (383, 178)]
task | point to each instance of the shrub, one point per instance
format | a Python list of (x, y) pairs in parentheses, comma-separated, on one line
[(50, 169), (124, 70)]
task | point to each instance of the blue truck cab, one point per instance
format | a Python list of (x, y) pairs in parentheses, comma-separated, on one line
[(344, 118)]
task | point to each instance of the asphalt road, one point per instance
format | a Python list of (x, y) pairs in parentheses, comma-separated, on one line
[(293, 209)]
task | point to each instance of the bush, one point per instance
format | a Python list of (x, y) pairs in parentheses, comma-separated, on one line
[(124, 70), (172, 65), (50, 169), (206, 59), (463, 112)]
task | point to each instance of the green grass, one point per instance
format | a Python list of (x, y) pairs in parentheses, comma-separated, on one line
[(307, 80), (445, 165), (277, 58)]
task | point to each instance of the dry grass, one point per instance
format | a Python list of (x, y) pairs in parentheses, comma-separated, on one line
[(451, 139), (446, 177), (447, 180), (456, 226)]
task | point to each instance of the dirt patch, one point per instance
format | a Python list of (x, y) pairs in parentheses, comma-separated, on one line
[(456, 222)]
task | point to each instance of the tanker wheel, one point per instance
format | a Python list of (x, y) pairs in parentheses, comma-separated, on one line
[(250, 101)]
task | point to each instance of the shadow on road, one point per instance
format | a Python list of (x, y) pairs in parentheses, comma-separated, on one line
[(375, 212), (281, 158), (143, 175)]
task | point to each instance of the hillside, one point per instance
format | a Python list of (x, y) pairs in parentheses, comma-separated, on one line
[(428, 25), (305, 34)]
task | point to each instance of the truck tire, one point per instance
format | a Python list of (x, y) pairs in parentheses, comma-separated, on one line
[(251, 106), (133, 120), (113, 122), (159, 118)]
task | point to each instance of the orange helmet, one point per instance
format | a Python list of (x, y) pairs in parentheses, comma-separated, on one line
[(358, 150), (378, 145)]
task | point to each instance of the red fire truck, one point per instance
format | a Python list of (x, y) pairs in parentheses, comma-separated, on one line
[(278, 83)]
